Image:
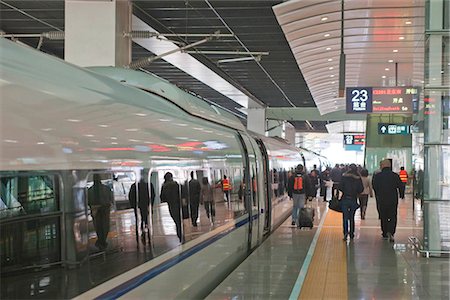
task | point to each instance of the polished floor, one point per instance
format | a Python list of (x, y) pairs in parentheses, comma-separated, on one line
[(124, 253), (318, 264)]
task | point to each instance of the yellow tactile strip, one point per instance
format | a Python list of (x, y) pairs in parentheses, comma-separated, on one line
[(327, 273)]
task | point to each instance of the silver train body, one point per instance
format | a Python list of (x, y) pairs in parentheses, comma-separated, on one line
[(60, 124)]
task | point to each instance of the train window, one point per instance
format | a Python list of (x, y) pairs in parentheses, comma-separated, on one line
[(27, 195), (121, 187), (35, 237)]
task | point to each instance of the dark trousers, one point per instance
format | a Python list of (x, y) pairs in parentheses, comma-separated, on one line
[(363, 199), (388, 214), (348, 215), (210, 208), (227, 195), (101, 223), (402, 190), (144, 217), (174, 211), (323, 191), (194, 209)]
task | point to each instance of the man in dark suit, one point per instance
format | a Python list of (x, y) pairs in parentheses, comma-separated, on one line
[(386, 185)]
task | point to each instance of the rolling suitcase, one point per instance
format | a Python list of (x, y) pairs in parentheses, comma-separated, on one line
[(306, 217)]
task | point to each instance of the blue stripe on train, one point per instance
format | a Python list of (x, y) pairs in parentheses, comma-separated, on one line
[(137, 281)]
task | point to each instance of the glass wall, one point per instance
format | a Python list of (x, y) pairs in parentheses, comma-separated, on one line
[(436, 129)]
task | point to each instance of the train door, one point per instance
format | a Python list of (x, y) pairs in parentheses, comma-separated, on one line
[(251, 198), (260, 189), (267, 188)]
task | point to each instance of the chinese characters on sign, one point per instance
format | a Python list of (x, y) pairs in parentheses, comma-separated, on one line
[(354, 139), (359, 100), (382, 99)]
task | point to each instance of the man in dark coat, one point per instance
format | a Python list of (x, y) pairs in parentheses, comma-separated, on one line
[(194, 198), (100, 197), (336, 176), (145, 197), (170, 193), (386, 185)]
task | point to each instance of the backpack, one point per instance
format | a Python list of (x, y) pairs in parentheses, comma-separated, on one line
[(298, 183)]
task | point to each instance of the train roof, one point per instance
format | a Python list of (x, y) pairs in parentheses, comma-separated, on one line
[(161, 87)]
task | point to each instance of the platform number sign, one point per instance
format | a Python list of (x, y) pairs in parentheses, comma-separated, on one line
[(359, 100)]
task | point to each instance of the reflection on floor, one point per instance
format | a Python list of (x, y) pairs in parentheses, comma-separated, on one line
[(125, 252), (374, 268)]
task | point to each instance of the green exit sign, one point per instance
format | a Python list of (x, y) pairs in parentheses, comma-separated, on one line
[(393, 129)]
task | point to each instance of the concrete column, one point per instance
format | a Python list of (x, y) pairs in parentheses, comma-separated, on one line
[(290, 133), (94, 32), (276, 128), (256, 120)]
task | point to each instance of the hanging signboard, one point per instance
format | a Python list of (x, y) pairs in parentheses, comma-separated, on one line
[(393, 129), (354, 139), (392, 100)]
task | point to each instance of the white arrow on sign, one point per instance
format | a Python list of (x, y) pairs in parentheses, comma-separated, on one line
[(383, 129)]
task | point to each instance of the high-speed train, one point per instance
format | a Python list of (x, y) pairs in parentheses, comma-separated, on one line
[(61, 125)]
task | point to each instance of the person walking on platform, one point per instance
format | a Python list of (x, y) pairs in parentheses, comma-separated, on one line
[(226, 187), (364, 196), (194, 198), (170, 193), (385, 184), (351, 186), (335, 175), (100, 198), (404, 178), (207, 198), (298, 185), (145, 197), (324, 178)]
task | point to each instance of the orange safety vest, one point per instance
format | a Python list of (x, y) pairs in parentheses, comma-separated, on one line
[(298, 183), (226, 185), (403, 176)]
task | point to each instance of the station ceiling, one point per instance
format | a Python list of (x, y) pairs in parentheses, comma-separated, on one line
[(275, 80), (373, 30)]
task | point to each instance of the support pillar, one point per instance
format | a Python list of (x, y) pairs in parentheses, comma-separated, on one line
[(256, 120), (276, 128), (94, 32)]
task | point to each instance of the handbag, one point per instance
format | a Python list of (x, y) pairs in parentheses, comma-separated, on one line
[(334, 205)]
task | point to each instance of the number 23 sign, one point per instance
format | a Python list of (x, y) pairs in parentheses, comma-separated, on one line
[(359, 100)]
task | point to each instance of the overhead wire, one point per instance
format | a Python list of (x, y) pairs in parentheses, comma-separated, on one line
[(30, 16), (245, 47)]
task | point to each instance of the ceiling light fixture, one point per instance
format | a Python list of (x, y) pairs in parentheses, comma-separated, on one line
[(383, 76), (391, 60), (328, 49), (330, 59), (386, 69), (326, 35), (330, 68), (141, 115), (324, 19), (401, 37), (395, 50), (408, 22)]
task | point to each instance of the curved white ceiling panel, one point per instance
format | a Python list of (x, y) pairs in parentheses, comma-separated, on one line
[(377, 36)]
